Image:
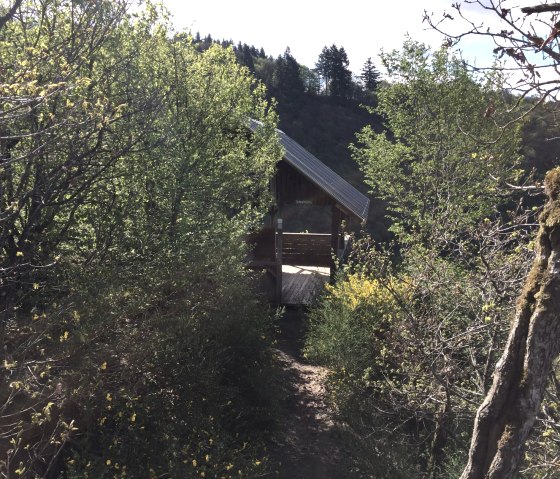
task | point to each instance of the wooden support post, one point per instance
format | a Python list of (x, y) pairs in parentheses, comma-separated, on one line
[(343, 229), (335, 232), (278, 243)]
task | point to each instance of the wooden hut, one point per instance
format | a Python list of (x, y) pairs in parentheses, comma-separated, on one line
[(296, 261)]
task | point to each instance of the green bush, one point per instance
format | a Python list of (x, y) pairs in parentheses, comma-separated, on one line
[(353, 331)]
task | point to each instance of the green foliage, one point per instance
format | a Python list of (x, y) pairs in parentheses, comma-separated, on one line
[(409, 349), (176, 380), (412, 342), (311, 80), (439, 165), (129, 181), (287, 82), (370, 76), (352, 331), (332, 66)]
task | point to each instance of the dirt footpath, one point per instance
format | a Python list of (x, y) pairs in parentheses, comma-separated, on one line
[(307, 444)]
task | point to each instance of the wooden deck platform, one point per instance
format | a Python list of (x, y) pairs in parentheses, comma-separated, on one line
[(300, 284)]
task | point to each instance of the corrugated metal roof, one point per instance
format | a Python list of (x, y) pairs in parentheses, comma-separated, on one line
[(321, 175)]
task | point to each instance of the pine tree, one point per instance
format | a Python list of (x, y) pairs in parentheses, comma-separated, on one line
[(287, 79), (332, 66), (370, 76), (247, 57)]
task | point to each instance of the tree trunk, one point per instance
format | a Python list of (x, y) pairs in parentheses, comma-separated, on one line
[(439, 440), (10, 13), (505, 418)]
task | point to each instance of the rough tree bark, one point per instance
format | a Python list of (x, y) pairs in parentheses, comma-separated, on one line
[(10, 13), (505, 418)]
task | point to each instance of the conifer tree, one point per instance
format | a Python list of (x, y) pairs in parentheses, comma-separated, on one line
[(332, 66), (370, 76), (287, 79)]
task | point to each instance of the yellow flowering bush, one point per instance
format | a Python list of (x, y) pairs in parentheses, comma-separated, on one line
[(348, 328), (357, 291)]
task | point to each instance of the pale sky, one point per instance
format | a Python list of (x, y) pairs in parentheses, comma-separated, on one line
[(362, 27)]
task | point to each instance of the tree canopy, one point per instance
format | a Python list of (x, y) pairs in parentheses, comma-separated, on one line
[(128, 181), (332, 66), (435, 164)]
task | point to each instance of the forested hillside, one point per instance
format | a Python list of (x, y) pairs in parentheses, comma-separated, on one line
[(133, 339), (325, 121)]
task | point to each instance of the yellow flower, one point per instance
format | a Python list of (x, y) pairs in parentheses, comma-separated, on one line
[(133, 417), (194, 462), (103, 366), (8, 365), (19, 253), (108, 462)]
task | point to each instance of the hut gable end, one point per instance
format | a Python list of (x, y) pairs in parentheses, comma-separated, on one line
[(318, 174)]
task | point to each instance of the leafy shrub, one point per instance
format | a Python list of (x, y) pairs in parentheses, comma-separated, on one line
[(353, 330), (131, 343), (408, 351), (138, 380)]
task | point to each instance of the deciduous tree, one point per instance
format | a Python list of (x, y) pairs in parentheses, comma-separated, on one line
[(527, 39), (436, 178), (128, 179), (424, 357)]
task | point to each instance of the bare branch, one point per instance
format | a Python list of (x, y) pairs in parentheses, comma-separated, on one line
[(551, 7)]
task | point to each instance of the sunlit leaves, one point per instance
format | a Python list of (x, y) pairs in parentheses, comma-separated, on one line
[(128, 180), (439, 168)]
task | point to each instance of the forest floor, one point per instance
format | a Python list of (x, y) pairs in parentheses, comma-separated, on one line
[(308, 443)]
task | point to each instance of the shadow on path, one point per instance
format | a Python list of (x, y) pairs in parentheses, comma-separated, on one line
[(307, 444)]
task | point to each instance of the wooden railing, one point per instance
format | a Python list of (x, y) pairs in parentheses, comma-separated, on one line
[(306, 249), (274, 248)]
